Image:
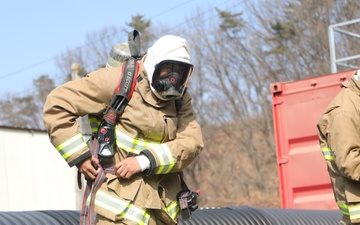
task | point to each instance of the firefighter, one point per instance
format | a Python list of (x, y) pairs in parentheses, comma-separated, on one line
[(339, 136), (155, 139)]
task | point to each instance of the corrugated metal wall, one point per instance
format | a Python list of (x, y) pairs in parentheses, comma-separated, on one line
[(219, 216), (33, 176)]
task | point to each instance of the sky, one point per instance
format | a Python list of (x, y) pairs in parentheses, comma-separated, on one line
[(34, 33)]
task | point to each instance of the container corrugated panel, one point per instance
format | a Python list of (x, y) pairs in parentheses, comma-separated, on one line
[(297, 107)]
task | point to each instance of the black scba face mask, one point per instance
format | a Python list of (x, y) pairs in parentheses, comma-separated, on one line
[(172, 85)]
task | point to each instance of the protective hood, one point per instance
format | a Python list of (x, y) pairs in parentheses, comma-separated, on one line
[(166, 48)]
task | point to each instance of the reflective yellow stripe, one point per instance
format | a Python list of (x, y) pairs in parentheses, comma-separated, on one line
[(343, 208), (71, 146), (328, 155), (121, 207), (135, 145), (130, 144), (94, 123), (173, 209), (354, 211), (167, 162)]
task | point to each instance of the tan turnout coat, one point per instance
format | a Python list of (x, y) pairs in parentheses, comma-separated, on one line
[(145, 118), (339, 135)]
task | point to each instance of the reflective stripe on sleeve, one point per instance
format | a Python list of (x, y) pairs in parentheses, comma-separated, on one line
[(135, 145), (121, 207), (71, 146), (343, 208), (328, 155), (167, 162), (354, 211)]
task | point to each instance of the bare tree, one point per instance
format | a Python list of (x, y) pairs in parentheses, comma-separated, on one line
[(26, 111), (237, 61), (237, 55), (94, 54)]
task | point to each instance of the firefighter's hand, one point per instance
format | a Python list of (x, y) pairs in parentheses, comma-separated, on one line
[(89, 167), (127, 167)]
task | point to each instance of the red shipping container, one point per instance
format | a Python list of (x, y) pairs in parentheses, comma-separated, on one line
[(297, 106)]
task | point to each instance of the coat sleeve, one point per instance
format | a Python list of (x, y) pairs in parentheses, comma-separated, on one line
[(175, 155), (78, 98), (344, 141)]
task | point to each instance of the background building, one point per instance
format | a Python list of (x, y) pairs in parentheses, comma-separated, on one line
[(33, 176)]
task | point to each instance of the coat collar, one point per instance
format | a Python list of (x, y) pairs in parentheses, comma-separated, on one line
[(354, 85)]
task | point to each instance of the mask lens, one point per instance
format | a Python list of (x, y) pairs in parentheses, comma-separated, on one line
[(168, 68), (170, 78)]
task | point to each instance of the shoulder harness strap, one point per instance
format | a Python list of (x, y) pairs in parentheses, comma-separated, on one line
[(104, 141), (124, 91)]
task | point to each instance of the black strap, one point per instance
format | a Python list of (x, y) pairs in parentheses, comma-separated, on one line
[(178, 102), (134, 43)]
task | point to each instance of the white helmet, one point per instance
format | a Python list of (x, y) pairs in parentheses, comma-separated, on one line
[(168, 50), (118, 54)]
